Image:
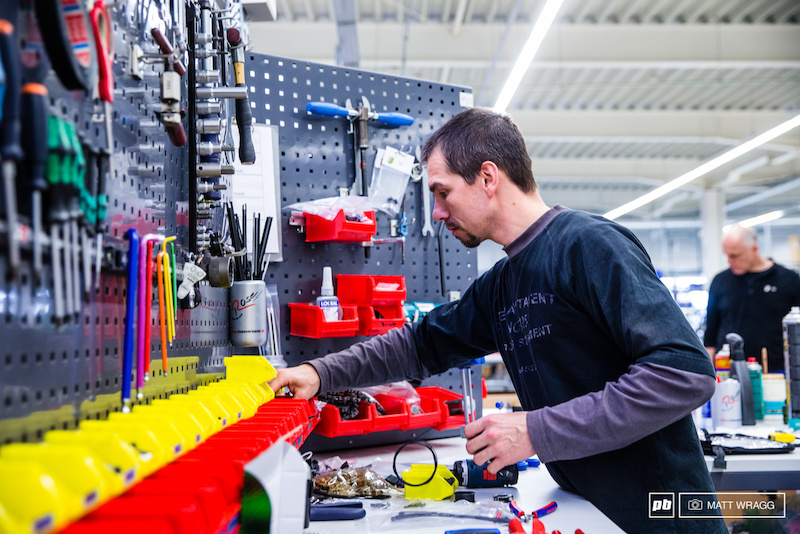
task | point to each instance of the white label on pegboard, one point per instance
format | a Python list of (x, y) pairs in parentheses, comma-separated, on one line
[(466, 100), (399, 161)]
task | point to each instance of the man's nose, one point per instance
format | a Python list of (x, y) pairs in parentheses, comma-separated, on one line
[(439, 211)]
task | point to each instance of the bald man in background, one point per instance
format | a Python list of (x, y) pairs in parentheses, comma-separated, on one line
[(750, 299)]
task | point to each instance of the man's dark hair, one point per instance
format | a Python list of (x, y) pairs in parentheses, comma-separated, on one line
[(477, 135)]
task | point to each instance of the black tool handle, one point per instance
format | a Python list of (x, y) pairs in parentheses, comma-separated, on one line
[(10, 149), (247, 154), (35, 108)]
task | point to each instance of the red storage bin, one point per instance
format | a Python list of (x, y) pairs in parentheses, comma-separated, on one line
[(331, 424), (308, 320), (128, 525), (379, 319), (370, 290), (441, 395), (397, 412), (340, 230), (433, 412), (204, 489), (181, 511)]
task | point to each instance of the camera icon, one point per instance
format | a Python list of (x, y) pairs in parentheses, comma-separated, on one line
[(694, 505)]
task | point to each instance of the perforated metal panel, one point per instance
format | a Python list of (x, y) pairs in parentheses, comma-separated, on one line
[(43, 367), (317, 159)]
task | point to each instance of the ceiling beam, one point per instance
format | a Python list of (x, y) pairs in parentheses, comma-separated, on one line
[(692, 124), (565, 43)]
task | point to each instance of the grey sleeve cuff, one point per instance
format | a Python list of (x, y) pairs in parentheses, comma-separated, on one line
[(644, 400), (381, 359)]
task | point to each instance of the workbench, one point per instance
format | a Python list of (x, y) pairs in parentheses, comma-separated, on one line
[(534, 490), (754, 472)]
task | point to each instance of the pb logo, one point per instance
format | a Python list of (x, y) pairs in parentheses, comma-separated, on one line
[(662, 505)]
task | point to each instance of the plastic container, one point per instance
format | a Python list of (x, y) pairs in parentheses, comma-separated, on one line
[(370, 290), (340, 230), (450, 418), (308, 320), (327, 300), (331, 424), (774, 386), (726, 404), (397, 413), (379, 319)]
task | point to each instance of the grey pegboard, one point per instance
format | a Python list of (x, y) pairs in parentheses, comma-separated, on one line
[(43, 367), (316, 160)]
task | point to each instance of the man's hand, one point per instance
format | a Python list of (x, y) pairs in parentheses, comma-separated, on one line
[(303, 381), (502, 438)]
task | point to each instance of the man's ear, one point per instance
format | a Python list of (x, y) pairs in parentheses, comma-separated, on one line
[(490, 177)]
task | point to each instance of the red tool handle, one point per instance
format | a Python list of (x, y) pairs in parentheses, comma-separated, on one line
[(103, 44)]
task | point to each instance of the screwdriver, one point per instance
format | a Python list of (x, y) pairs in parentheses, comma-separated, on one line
[(34, 130), (103, 45), (10, 151), (58, 213), (77, 170), (103, 160)]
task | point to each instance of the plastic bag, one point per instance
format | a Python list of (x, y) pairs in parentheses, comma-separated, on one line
[(327, 208), (359, 482), (402, 390), (390, 177)]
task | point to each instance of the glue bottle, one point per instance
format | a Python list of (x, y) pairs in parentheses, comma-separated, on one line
[(327, 300)]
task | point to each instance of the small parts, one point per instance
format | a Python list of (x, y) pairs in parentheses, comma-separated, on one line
[(348, 402)]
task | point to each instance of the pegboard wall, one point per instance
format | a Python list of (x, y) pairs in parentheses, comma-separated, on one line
[(45, 365), (317, 160)]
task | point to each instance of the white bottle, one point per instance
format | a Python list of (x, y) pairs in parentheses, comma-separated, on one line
[(726, 404), (327, 300)]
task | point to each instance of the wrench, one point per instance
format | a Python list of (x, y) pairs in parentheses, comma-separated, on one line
[(427, 229)]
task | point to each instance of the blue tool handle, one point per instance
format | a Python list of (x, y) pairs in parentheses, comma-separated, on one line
[(130, 313), (326, 109), (473, 531), (393, 118), (336, 514), (476, 361)]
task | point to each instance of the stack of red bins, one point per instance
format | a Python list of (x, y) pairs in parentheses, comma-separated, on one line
[(438, 408), (200, 492), (379, 300)]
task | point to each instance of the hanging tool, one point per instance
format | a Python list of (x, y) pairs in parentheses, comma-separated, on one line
[(244, 117), (66, 34), (56, 213), (10, 150), (358, 127), (77, 180), (162, 305), (34, 131), (103, 162), (168, 51), (104, 45), (427, 228), (145, 301), (130, 316)]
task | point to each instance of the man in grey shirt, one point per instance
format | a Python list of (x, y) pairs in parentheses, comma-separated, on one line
[(604, 363)]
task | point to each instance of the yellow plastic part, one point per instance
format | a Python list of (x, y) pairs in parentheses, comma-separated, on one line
[(81, 481), (222, 409), (783, 437), (442, 486), (253, 369), (241, 393), (196, 408), (32, 503), (115, 455), (193, 431), (224, 397), (153, 447), (178, 438)]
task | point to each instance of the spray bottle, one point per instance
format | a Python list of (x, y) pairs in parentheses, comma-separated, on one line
[(740, 372)]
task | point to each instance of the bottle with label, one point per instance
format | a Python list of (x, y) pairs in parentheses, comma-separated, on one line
[(327, 300), (722, 362), (726, 404), (755, 379)]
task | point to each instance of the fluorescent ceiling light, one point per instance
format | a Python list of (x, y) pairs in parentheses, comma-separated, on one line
[(759, 219), (705, 168), (538, 32)]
